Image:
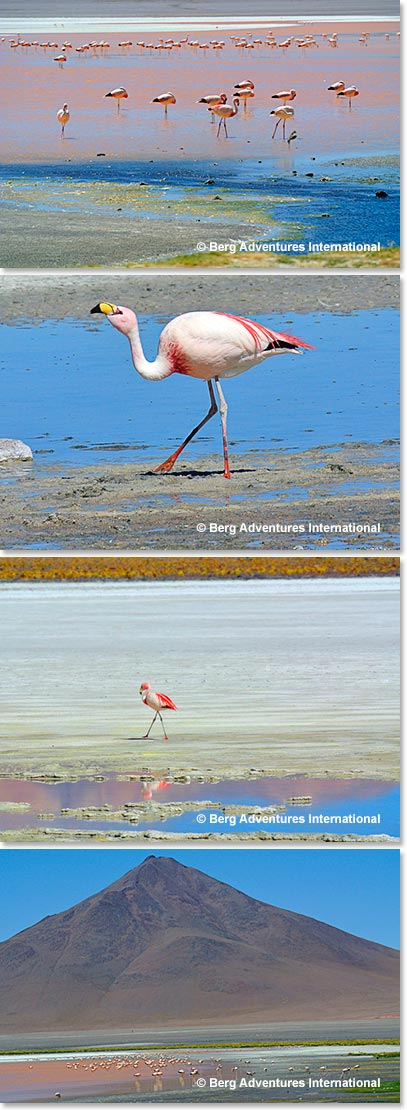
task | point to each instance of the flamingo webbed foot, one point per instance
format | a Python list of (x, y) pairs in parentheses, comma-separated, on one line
[(164, 467)]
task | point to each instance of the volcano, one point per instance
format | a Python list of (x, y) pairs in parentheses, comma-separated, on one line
[(168, 945)]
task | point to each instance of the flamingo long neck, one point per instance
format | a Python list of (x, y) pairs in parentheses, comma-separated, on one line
[(153, 371)]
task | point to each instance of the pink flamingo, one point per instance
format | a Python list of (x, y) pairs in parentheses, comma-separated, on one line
[(211, 100), (118, 94), (350, 93), (155, 701), (285, 95), (337, 87), (205, 345), (245, 95), (244, 85), (63, 117), (166, 99), (283, 114), (225, 111)]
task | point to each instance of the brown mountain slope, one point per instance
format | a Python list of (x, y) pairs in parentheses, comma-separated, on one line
[(167, 944)]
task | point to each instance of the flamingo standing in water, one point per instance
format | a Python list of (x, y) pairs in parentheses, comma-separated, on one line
[(350, 92), (283, 114), (285, 95), (118, 94), (205, 345), (211, 100), (155, 701), (166, 99), (245, 95), (225, 111), (63, 117)]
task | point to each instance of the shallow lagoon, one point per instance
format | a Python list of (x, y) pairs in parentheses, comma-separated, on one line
[(44, 805)]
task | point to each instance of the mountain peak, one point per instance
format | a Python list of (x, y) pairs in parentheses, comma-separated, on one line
[(168, 944)]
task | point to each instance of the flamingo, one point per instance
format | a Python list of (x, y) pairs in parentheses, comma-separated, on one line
[(349, 93), (63, 116), (244, 85), (212, 99), (118, 94), (285, 95), (225, 111), (283, 113), (205, 345), (337, 87), (245, 95), (166, 99), (60, 58), (155, 701)]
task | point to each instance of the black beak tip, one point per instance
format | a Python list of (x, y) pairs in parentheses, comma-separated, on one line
[(95, 309)]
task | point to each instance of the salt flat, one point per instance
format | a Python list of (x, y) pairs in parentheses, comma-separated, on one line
[(285, 676)]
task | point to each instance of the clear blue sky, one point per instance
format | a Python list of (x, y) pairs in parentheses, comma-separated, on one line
[(356, 889)]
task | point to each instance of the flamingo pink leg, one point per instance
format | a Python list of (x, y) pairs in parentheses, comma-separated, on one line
[(223, 408), (275, 129), (169, 463)]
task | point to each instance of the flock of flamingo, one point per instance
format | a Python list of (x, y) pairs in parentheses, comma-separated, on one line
[(158, 1068), (217, 103)]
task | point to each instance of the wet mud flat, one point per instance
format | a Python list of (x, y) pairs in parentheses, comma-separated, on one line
[(39, 296), (56, 223), (274, 501)]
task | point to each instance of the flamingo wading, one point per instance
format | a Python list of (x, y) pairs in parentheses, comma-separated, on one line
[(225, 111), (63, 117), (206, 345), (155, 701), (118, 94)]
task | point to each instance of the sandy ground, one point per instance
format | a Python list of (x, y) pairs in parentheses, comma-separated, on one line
[(39, 295), (308, 685)]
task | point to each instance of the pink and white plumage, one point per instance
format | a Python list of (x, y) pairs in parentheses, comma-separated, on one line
[(206, 345), (155, 701)]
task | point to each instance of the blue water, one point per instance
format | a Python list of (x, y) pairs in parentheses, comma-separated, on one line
[(339, 799), (345, 209), (386, 803), (68, 388)]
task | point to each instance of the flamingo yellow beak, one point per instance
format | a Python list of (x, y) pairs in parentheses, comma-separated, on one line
[(105, 308)]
